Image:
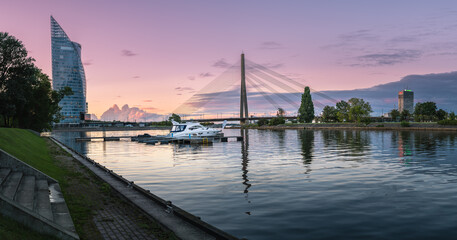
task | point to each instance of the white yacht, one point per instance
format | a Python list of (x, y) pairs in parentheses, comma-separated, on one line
[(194, 130)]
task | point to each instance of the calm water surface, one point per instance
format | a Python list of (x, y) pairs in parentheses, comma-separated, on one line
[(297, 184)]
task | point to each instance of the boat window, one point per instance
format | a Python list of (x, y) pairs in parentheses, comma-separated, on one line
[(178, 128)]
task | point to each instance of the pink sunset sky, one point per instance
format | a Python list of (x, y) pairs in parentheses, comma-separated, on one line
[(155, 54)]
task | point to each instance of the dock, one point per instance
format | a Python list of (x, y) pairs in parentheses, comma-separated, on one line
[(163, 139)]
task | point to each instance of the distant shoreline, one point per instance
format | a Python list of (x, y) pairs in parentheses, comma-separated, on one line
[(379, 126)]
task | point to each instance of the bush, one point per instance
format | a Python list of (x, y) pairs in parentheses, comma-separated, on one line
[(366, 121), (380, 125), (262, 122), (447, 122), (276, 121), (405, 124)]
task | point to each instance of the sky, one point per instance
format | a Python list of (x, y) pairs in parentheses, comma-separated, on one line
[(154, 55)]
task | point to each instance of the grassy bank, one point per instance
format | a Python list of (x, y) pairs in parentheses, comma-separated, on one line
[(84, 193)]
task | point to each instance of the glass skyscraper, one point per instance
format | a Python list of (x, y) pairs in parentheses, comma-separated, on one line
[(67, 70)]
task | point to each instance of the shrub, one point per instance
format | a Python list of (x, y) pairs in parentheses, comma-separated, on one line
[(276, 121), (447, 122), (262, 122), (380, 125), (405, 124)]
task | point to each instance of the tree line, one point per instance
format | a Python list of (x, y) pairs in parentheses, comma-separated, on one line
[(423, 112), (26, 96)]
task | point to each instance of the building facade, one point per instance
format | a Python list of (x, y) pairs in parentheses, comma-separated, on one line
[(406, 101), (68, 71)]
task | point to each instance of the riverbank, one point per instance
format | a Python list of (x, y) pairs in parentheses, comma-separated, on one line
[(378, 126), (98, 211)]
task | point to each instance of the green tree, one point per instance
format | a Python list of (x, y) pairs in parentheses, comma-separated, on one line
[(441, 114), (16, 76), (342, 108), (174, 117), (452, 116), (306, 110), (329, 114), (424, 111), (394, 114), (26, 97), (359, 109), (404, 115)]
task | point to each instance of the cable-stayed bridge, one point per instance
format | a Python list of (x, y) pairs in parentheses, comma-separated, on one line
[(219, 99)]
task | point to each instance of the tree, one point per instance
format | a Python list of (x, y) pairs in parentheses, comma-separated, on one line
[(306, 110), (441, 114), (329, 114), (359, 109), (16, 76), (174, 117), (26, 97), (394, 114), (342, 108), (404, 116), (452, 116), (280, 112), (424, 111)]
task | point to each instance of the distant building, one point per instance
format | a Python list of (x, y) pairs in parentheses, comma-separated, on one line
[(67, 70), (406, 101)]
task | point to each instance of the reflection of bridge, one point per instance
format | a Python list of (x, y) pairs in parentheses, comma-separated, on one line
[(276, 89)]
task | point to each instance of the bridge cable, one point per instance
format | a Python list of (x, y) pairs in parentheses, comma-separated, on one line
[(268, 98), (282, 96), (284, 86), (291, 81)]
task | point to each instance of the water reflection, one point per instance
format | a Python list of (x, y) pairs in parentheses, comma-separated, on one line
[(351, 145), (245, 160), (307, 144)]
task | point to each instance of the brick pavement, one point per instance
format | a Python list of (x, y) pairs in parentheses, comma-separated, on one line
[(115, 223)]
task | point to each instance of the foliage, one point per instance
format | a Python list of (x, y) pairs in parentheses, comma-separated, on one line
[(394, 114), (405, 124), (174, 117), (27, 98), (424, 111), (447, 122), (262, 122), (343, 111), (404, 115), (441, 114), (366, 121), (276, 121), (359, 109), (306, 110), (329, 114), (452, 116), (380, 125), (280, 112)]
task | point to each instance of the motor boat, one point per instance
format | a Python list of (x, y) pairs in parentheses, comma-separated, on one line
[(194, 130)]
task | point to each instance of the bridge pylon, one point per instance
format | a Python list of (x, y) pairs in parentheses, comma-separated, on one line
[(244, 114)]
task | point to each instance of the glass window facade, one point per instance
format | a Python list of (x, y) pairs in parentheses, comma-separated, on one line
[(67, 70)]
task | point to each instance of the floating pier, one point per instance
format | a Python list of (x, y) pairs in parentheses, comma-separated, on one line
[(152, 140)]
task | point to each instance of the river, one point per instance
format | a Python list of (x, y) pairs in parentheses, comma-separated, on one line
[(299, 184)]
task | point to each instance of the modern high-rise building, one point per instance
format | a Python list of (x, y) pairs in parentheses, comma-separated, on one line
[(67, 70), (406, 101)]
